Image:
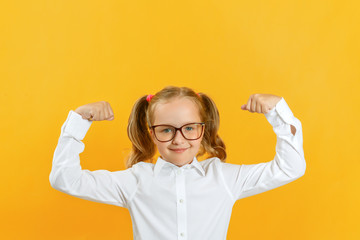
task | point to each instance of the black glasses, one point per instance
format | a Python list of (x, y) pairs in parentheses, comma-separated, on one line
[(190, 131)]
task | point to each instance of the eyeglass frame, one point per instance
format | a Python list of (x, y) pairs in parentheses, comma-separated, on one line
[(176, 129)]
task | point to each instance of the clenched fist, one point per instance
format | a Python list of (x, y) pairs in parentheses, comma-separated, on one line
[(96, 111), (261, 103)]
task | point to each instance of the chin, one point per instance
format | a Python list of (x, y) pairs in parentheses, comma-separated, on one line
[(182, 160)]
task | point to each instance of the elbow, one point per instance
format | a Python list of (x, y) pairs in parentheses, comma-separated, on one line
[(53, 182), (303, 166), (301, 171), (64, 179), (51, 179), (297, 170), (59, 185), (59, 181)]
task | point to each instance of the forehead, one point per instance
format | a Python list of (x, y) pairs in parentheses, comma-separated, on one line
[(176, 112)]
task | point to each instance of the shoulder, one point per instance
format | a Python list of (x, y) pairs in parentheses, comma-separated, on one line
[(226, 167), (213, 162), (142, 167)]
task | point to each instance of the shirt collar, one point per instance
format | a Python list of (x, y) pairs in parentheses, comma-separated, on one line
[(161, 163)]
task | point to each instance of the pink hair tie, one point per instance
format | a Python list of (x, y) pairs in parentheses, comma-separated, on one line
[(149, 97)]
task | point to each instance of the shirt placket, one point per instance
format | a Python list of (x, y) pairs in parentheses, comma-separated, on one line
[(181, 204)]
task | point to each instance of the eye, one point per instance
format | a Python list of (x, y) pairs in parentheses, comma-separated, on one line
[(189, 128), (166, 130)]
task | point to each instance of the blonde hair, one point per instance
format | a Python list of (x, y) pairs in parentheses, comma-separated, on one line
[(142, 116)]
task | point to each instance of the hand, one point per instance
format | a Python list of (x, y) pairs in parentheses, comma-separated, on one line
[(96, 111), (261, 103)]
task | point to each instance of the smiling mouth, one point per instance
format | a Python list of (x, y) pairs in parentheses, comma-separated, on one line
[(179, 150)]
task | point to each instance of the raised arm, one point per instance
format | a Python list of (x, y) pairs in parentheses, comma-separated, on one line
[(67, 176), (288, 164)]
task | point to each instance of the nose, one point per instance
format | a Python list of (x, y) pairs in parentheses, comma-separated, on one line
[(179, 138)]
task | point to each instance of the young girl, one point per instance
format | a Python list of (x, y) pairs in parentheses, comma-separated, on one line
[(178, 197)]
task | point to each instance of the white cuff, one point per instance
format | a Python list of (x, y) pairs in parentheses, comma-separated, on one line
[(75, 125), (280, 114)]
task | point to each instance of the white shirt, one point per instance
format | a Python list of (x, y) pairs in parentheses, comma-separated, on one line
[(165, 202)]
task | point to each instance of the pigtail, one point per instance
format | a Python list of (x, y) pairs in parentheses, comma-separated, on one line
[(143, 148), (212, 143)]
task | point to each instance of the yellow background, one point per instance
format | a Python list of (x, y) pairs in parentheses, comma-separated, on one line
[(58, 55)]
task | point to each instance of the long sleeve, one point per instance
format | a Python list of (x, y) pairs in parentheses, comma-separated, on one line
[(67, 176), (288, 164)]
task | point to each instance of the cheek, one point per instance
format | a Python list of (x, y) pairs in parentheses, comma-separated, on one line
[(197, 144), (161, 146)]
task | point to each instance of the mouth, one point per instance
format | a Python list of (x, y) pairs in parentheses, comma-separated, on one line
[(179, 150)]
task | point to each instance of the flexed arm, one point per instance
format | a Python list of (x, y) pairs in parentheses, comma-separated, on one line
[(67, 175), (289, 162)]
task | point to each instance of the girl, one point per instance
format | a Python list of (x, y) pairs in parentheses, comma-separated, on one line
[(178, 197)]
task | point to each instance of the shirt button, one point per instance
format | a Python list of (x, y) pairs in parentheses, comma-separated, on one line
[(179, 171), (182, 234), (181, 200)]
